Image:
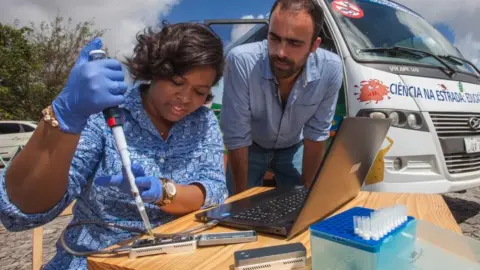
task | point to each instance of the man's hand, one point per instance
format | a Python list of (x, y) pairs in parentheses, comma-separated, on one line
[(150, 187), (312, 157)]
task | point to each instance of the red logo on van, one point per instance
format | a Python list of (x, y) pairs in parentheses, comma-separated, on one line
[(347, 8), (443, 87), (372, 90)]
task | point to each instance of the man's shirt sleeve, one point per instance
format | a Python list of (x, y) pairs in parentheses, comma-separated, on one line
[(235, 117), (318, 127)]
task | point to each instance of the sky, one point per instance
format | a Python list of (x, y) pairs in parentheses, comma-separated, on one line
[(124, 19), (460, 15)]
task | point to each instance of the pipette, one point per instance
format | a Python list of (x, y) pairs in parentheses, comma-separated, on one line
[(115, 122)]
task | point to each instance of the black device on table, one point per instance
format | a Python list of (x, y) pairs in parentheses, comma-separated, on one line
[(287, 256), (287, 212)]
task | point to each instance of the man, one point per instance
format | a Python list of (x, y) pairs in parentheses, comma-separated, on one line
[(279, 100)]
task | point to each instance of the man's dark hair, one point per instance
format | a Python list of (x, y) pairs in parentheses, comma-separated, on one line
[(174, 50), (310, 6)]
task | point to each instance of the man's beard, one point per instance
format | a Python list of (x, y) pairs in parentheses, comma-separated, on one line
[(290, 69)]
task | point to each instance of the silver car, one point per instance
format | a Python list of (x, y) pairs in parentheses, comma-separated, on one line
[(14, 134)]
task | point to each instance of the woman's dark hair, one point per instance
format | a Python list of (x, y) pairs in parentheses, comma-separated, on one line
[(174, 50)]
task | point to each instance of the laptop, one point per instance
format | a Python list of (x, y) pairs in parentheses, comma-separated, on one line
[(288, 212)]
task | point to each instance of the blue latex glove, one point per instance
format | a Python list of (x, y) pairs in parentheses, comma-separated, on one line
[(91, 87), (150, 187)]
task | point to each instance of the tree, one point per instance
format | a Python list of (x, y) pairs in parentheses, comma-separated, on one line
[(35, 62), (19, 71), (59, 45)]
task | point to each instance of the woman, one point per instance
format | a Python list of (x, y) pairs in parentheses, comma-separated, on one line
[(170, 135)]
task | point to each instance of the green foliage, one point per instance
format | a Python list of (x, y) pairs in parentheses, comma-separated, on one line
[(35, 62), (19, 66)]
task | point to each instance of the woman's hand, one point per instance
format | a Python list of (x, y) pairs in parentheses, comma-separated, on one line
[(188, 198), (150, 187), (91, 87)]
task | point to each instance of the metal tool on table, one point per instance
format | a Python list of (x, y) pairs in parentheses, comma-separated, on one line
[(115, 122)]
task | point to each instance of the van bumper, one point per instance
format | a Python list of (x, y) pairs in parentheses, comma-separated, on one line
[(422, 166), (434, 187)]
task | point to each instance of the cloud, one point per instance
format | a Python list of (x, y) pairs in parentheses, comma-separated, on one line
[(470, 48), (239, 30), (122, 19), (459, 15)]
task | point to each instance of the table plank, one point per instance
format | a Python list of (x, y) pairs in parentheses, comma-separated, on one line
[(429, 207)]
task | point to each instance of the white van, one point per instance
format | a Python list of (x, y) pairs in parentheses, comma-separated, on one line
[(398, 66)]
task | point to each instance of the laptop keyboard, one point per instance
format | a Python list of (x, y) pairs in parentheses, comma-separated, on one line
[(276, 208)]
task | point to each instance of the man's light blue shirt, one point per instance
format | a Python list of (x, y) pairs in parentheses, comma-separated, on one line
[(252, 109)]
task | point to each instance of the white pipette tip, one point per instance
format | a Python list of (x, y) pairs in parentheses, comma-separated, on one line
[(356, 226), (380, 222), (366, 228)]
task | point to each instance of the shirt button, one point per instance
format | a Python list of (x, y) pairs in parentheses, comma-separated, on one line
[(162, 160)]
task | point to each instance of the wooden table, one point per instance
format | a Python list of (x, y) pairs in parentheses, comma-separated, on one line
[(429, 207)]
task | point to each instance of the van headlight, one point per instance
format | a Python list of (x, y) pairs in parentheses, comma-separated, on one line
[(415, 121), (399, 118)]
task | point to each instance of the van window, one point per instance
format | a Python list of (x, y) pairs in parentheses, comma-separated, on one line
[(9, 128), (231, 38), (259, 36), (28, 128), (367, 24)]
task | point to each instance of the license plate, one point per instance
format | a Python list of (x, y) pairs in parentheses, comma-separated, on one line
[(472, 145)]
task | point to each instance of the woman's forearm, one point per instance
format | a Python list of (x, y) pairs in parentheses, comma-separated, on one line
[(189, 198), (38, 176)]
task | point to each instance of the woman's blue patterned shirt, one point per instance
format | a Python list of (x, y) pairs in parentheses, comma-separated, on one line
[(192, 153)]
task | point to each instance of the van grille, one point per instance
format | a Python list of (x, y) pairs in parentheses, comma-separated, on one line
[(462, 163), (449, 125), (453, 124)]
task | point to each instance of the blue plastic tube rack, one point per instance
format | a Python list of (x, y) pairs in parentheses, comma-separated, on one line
[(334, 244)]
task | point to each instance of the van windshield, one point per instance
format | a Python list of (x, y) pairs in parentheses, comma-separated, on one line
[(368, 24)]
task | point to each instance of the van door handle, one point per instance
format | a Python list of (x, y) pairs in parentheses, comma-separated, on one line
[(16, 138)]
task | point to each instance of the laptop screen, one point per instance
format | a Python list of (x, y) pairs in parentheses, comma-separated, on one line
[(343, 170)]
